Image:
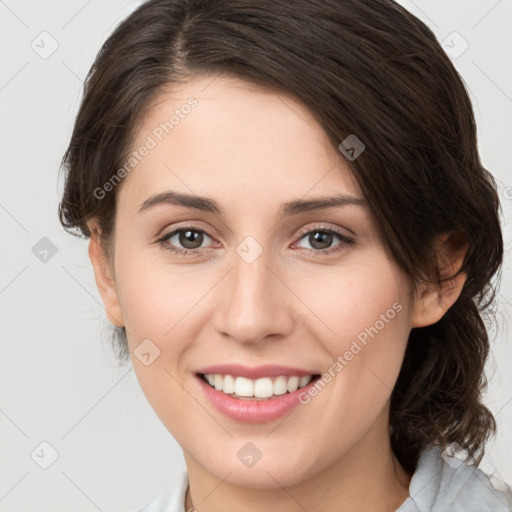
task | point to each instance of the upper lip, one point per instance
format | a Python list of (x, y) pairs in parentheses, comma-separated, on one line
[(255, 372)]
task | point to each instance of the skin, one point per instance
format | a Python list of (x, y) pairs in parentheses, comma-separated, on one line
[(252, 150)]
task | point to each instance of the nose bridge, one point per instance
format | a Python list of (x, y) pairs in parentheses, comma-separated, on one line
[(254, 305), (251, 281)]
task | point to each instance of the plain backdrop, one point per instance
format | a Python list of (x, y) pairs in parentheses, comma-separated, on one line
[(64, 402)]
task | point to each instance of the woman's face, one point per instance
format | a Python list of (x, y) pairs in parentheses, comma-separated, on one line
[(265, 280)]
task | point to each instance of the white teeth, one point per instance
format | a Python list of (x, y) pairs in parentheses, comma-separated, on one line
[(264, 387), (229, 385), (243, 386), (293, 384), (304, 381), (280, 386)]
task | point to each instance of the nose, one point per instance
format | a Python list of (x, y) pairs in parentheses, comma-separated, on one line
[(255, 304)]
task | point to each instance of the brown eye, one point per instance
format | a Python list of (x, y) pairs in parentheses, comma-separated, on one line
[(190, 239), (324, 240), (320, 240), (185, 239)]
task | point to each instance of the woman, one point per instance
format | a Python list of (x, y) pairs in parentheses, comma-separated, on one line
[(292, 230)]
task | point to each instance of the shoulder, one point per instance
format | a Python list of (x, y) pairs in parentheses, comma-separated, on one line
[(171, 497), (444, 483)]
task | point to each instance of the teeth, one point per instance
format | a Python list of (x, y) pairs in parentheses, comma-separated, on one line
[(228, 385), (293, 384), (243, 386), (304, 381), (265, 387), (280, 386)]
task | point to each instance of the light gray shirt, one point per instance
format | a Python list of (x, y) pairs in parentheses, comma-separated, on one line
[(439, 484)]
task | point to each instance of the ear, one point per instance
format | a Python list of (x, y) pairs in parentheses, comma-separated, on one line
[(433, 300), (104, 277)]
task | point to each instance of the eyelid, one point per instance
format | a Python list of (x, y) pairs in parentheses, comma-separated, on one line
[(194, 225), (322, 227)]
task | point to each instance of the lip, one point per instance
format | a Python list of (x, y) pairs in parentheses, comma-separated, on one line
[(253, 411), (256, 372)]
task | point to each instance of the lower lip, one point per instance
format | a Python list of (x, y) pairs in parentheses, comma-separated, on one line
[(253, 411)]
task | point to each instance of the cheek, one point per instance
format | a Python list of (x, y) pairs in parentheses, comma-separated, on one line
[(156, 297), (353, 301), (364, 312), (157, 302)]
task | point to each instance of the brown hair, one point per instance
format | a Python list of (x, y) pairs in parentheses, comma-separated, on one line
[(366, 68)]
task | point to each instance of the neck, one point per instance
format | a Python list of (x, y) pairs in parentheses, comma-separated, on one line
[(368, 477)]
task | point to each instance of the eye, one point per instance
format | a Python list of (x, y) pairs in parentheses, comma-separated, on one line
[(320, 240), (190, 240), (185, 240)]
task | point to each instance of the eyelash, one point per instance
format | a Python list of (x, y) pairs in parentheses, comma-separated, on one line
[(344, 240)]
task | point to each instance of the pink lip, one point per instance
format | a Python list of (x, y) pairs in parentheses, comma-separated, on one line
[(253, 411), (255, 372)]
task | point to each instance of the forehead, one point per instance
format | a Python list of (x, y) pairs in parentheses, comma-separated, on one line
[(223, 137)]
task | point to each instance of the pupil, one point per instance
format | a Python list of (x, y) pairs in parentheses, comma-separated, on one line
[(320, 240), (191, 239)]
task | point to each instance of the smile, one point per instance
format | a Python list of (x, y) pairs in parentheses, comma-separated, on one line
[(254, 394), (256, 389)]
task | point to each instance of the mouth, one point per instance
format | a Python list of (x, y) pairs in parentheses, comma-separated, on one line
[(255, 394), (263, 388)]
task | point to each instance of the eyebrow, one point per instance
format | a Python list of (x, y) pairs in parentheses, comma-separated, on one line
[(207, 204)]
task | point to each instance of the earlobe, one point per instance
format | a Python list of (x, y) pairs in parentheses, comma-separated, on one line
[(104, 279), (433, 300)]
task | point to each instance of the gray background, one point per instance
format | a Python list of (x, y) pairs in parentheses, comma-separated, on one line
[(59, 381)]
